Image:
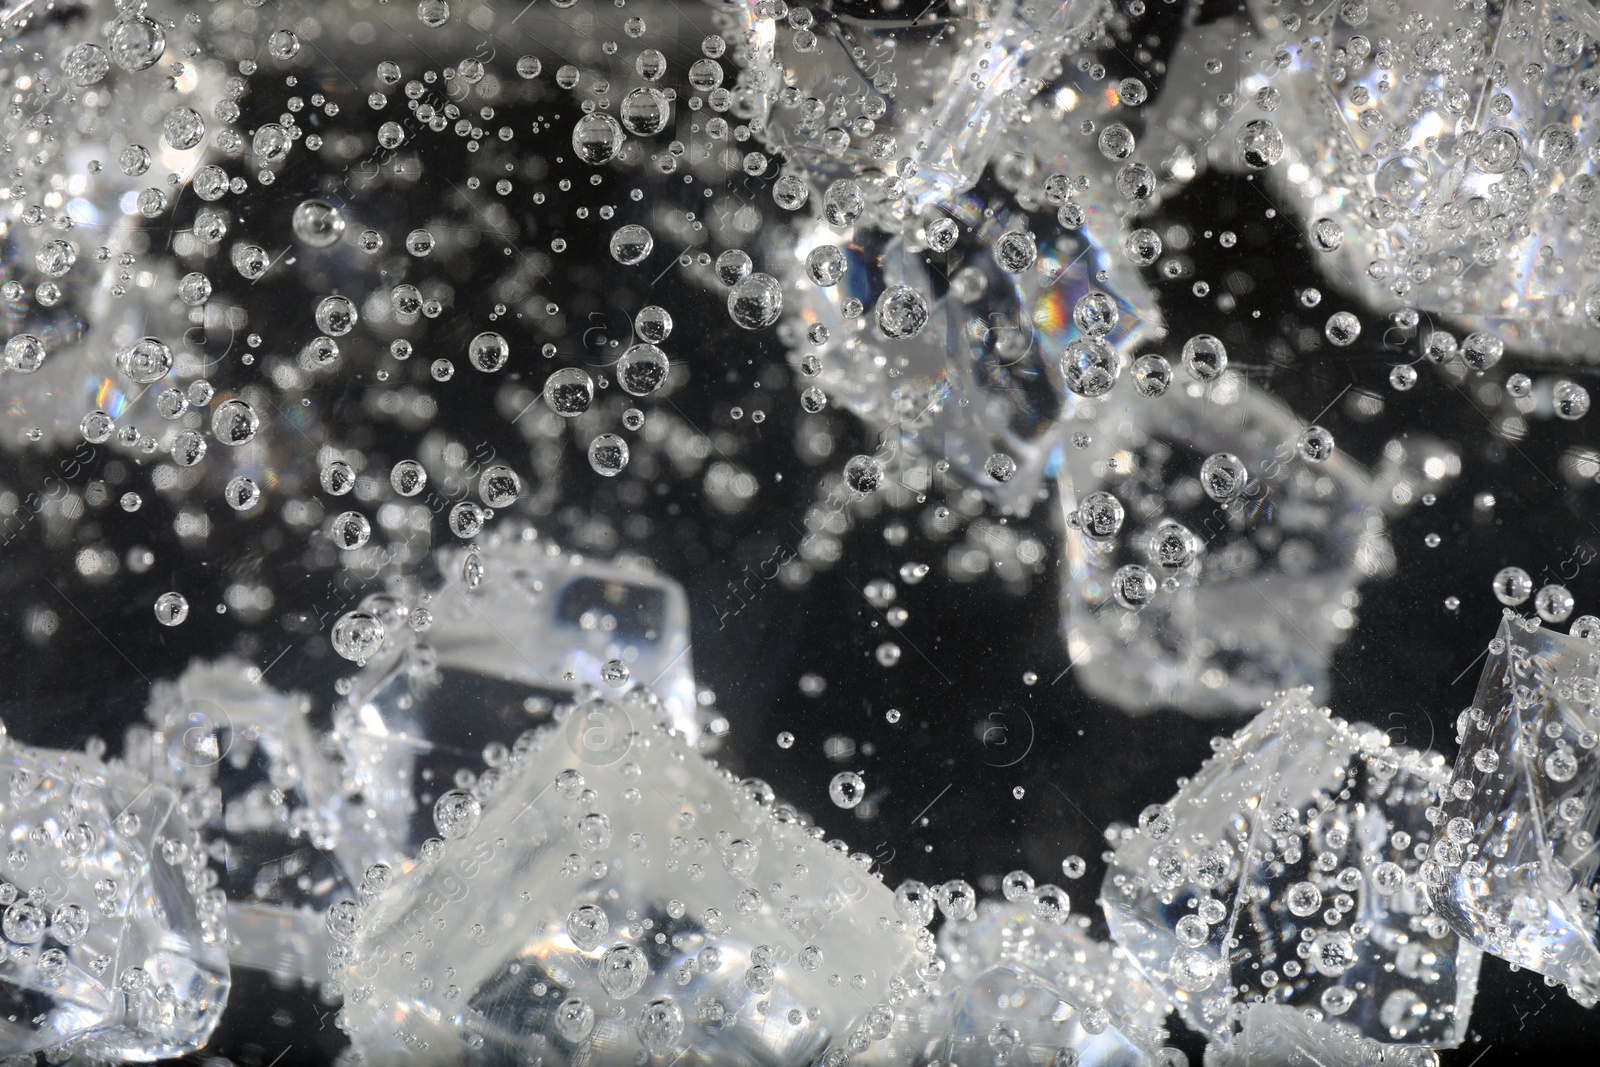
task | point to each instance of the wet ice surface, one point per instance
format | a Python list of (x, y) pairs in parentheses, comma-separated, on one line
[(266, 786), (1252, 587)]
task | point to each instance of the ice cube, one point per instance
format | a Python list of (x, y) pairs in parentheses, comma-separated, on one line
[(1397, 237), (1253, 594), (1275, 1036), (980, 378), (1024, 989), (642, 903), (1287, 870), (1516, 870), (516, 629), (913, 82), (268, 792), (115, 942)]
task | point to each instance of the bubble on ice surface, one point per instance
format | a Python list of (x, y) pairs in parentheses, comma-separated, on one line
[(1520, 875), (1297, 801), (730, 902)]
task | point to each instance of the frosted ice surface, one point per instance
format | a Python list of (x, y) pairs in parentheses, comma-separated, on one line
[(1517, 871), (1287, 870), (605, 904), (1275, 1036)]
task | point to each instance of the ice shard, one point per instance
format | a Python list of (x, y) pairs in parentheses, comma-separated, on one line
[(980, 377), (115, 940), (593, 905), (1286, 871), (1275, 1036), (930, 181), (925, 99), (1516, 869)]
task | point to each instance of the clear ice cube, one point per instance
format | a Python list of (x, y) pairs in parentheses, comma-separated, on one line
[(1265, 590), (1395, 191), (940, 90), (1274, 1036), (981, 376), (1516, 871), (1286, 871), (517, 629), (115, 943), (1022, 990), (270, 795), (590, 907)]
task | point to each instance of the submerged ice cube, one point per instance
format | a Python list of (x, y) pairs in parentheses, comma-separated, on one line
[(1412, 192), (980, 377), (929, 99), (516, 630), (591, 906), (115, 943), (1250, 595), (1027, 990), (1275, 1036), (1287, 871), (1516, 871), (268, 790)]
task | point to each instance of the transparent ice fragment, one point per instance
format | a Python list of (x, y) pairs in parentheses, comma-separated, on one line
[(522, 631), (267, 789), (115, 942), (631, 902), (1254, 593), (1517, 874), (85, 325), (1023, 990), (1287, 870)]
